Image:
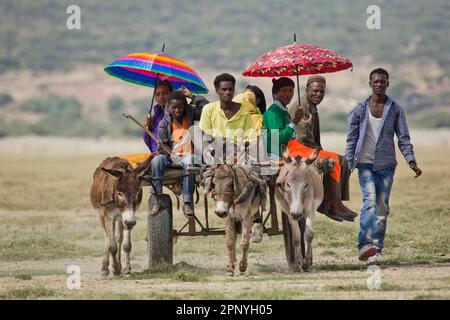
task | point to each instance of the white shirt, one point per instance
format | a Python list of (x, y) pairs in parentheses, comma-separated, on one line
[(368, 148)]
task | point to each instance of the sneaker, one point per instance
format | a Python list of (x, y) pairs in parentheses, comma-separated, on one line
[(188, 210), (366, 252), (375, 259), (257, 232)]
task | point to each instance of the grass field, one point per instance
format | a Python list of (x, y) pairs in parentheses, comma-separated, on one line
[(47, 224)]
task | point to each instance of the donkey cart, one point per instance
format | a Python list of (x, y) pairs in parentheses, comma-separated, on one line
[(160, 230)]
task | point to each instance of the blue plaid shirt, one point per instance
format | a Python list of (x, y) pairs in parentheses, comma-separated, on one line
[(393, 121)]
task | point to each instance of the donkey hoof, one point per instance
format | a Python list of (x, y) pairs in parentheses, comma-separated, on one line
[(298, 269), (127, 272), (117, 272), (105, 273), (307, 265), (242, 268), (230, 274), (307, 268)]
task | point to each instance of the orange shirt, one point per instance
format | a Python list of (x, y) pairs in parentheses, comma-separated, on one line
[(181, 138)]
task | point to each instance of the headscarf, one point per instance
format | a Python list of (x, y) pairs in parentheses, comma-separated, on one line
[(259, 95)]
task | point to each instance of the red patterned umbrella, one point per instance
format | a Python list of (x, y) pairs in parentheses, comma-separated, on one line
[(297, 59)]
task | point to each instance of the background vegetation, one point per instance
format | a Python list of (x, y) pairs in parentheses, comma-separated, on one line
[(34, 34), (211, 34)]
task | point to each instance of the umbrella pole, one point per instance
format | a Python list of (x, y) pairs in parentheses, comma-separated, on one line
[(156, 82), (298, 85), (296, 74), (153, 95)]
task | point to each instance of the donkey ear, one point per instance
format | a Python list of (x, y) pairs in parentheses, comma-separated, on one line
[(113, 173), (313, 156)]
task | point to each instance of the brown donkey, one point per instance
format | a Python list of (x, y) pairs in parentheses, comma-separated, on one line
[(238, 192), (116, 194)]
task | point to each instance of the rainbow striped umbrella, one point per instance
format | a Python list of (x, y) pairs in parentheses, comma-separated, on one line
[(146, 68)]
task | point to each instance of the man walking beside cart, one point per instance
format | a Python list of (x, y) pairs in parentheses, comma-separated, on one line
[(370, 148)]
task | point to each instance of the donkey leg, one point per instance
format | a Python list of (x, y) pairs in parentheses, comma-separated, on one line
[(119, 239), (231, 235), (127, 248), (296, 234), (112, 245), (309, 236), (245, 241), (105, 259)]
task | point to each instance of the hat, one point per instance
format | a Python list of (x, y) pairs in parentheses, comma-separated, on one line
[(312, 79)]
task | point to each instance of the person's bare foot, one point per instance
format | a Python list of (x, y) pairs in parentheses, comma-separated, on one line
[(188, 210)]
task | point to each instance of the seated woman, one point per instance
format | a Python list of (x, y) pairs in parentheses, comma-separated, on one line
[(256, 103), (176, 146)]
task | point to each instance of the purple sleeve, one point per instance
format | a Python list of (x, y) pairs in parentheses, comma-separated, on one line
[(158, 114)]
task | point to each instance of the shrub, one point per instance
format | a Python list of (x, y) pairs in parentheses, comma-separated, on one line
[(5, 99), (55, 106), (115, 104), (333, 121), (434, 120)]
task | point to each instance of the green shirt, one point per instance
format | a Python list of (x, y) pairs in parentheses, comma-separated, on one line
[(274, 118)]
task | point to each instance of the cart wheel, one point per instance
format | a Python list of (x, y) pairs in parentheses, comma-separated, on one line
[(287, 237), (159, 232)]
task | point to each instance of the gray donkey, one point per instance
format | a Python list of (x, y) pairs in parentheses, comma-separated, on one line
[(299, 191)]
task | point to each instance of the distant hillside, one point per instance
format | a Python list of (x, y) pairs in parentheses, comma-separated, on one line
[(225, 34), (52, 80)]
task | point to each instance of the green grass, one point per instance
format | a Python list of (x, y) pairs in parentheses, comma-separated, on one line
[(28, 274), (429, 297), (28, 293), (181, 271), (23, 277), (41, 182), (39, 246), (328, 252), (363, 287), (41, 224)]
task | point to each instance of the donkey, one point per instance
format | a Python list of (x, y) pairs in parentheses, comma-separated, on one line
[(238, 192), (299, 191), (116, 194)]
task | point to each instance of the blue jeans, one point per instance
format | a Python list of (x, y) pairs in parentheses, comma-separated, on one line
[(376, 188), (158, 167)]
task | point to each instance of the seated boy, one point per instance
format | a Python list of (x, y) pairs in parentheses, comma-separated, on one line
[(174, 135)]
